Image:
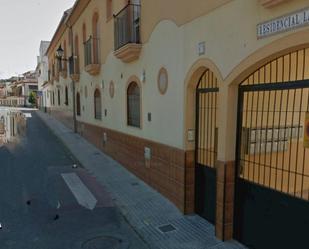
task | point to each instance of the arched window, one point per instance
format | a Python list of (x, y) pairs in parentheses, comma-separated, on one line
[(76, 53), (109, 9), (133, 105), (64, 67), (95, 25), (66, 96), (84, 33), (77, 104), (97, 104), (70, 38)]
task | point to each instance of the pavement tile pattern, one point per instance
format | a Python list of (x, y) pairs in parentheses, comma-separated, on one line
[(143, 207)]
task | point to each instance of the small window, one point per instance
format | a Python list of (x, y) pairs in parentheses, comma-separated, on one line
[(66, 96), (97, 105), (77, 104), (133, 105), (58, 97)]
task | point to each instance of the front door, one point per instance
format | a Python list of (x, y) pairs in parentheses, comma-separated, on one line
[(206, 146)]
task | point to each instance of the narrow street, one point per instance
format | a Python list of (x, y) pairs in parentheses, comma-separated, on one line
[(41, 209)]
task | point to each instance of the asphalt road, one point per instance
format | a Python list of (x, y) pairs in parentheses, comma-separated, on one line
[(30, 171)]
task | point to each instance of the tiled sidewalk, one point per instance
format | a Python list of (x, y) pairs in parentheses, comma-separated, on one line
[(144, 208)]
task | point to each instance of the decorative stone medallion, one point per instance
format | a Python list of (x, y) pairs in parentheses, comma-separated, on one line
[(162, 80)]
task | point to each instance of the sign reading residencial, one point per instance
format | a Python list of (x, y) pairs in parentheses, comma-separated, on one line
[(284, 23), (306, 131)]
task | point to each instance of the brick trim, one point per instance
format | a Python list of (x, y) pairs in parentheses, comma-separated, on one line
[(225, 200)]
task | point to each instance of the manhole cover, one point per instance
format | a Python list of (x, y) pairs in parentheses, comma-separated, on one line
[(102, 243), (166, 228)]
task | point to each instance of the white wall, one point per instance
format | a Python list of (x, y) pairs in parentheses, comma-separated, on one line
[(229, 33)]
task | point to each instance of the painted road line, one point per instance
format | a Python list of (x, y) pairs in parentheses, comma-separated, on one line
[(82, 194)]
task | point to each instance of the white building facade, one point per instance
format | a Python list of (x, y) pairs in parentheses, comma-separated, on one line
[(42, 72)]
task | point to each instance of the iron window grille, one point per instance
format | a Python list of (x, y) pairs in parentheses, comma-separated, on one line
[(97, 105), (133, 105), (78, 104)]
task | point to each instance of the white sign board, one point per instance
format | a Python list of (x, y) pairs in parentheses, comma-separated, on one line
[(284, 23), (201, 48)]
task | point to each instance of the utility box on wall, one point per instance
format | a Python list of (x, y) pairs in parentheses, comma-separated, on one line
[(147, 153)]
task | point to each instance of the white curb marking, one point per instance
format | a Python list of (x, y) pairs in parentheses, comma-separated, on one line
[(82, 194)]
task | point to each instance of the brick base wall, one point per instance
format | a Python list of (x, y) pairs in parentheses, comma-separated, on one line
[(165, 171)]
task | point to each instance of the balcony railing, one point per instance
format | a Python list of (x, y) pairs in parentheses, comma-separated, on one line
[(91, 48), (74, 67), (127, 26)]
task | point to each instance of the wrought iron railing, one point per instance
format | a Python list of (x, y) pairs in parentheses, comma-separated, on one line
[(73, 65), (127, 26), (92, 51)]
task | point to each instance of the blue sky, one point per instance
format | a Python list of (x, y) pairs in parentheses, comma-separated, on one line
[(23, 24)]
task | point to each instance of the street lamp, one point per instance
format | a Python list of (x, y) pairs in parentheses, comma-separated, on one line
[(60, 53)]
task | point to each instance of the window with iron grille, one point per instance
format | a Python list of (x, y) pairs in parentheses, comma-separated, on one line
[(58, 97), (66, 96), (97, 105), (78, 104), (133, 105)]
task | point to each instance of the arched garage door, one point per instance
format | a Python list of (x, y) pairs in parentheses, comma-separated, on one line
[(272, 184)]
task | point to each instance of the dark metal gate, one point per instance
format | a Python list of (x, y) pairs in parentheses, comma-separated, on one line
[(272, 183), (206, 146)]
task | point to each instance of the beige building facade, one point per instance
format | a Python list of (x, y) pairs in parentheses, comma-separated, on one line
[(192, 96)]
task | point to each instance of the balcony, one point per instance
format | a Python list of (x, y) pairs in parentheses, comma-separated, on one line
[(92, 52), (271, 3), (74, 68), (127, 33)]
